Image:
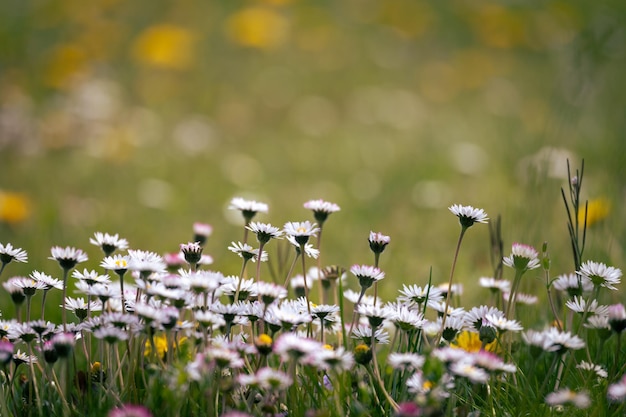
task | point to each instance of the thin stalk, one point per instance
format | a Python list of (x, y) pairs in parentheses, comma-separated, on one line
[(34, 379), (306, 286), (293, 265), (64, 310), (258, 266), (243, 270), (513, 294), (456, 255), (376, 258)]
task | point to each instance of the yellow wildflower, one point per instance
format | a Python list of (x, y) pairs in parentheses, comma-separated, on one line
[(470, 342), (14, 207), (597, 210), (160, 342), (257, 27), (165, 46)]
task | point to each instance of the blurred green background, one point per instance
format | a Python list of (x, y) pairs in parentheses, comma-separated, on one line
[(142, 117)]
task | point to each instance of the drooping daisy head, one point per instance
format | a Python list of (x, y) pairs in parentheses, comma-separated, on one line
[(321, 209), (468, 215), (523, 257)]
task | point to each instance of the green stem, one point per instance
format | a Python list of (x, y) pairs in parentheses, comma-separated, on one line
[(445, 310)]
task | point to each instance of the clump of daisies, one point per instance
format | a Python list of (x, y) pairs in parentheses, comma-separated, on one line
[(144, 334)]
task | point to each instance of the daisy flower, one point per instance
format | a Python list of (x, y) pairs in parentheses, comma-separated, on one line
[(598, 370), (404, 318), (580, 305), (418, 295), (117, 263), (367, 275), (20, 357), (378, 242), (327, 358), (130, 410), (502, 323), (521, 298), (145, 261), (406, 361), (573, 284), (321, 209), (248, 208), (28, 285), (264, 231), (467, 369), (67, 257), (289, 346), (375, 315), (364, 334), (47, 280), (266, 378), (477, 316), (270, 292), (192, 252), (566, 396), (91, 277), (201, 232), (600, 274), (8, 253), (495, 285), (108, 243), (6, 352), (617, 391), (617, 317), (468, 215), (301, 231), (80, 307), (309, 250), (523, 257), (245, 251)]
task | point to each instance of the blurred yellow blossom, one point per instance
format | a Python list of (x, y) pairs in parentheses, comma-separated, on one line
[(65, 62), (470, 342), (165, 46), (257, 27), (160, 343), (498, 26), (597, 210), (14, 207)]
